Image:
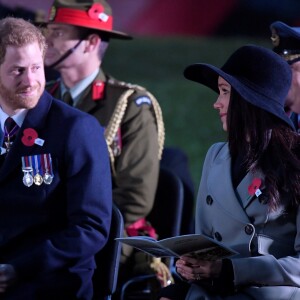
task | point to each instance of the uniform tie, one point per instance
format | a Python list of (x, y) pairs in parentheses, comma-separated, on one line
[(10, 131), (67, 98)]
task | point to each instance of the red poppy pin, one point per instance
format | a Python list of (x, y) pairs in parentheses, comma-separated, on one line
[(253, 188), (29, 137), (97, 12)]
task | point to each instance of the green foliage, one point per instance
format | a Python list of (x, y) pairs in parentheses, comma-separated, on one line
[(158, 63)]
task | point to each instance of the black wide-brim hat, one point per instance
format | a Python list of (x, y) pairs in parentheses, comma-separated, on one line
[(258, 75), (93, 14)]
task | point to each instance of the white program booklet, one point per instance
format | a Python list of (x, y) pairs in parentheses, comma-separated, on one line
[(196, 245)]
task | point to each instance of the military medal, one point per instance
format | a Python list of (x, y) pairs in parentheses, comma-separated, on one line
[(8, 144), (37, 179), (27, 178), (10, 132), (48, 178), (27, 170), (47, 166), (37, 169)]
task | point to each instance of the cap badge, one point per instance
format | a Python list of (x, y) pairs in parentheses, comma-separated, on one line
[(52, 13), (275, 38), (97, 12)]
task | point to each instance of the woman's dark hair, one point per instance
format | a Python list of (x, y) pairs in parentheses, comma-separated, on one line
[(268, 145)]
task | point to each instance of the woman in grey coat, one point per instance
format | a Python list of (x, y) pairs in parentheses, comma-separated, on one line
[(249, 192)]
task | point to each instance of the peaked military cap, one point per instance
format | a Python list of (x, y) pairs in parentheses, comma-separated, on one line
[(286, 41), (94, 14)]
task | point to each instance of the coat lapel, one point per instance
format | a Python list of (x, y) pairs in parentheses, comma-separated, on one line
[(220, 186), (35, 119)]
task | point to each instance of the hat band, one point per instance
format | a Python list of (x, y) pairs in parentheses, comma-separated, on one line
[(82, 18)]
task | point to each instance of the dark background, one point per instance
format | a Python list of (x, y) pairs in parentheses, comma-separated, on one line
[(184, 17)]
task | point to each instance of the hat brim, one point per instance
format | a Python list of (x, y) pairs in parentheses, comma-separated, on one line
[(207, 74), (285, 30), (111, 34)]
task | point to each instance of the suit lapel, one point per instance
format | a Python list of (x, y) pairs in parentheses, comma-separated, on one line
[(34, 119)]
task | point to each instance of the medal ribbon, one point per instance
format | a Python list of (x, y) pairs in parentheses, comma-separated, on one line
[(26, 163), (27, 169), (10, 131), (47, 164), (36, 164)]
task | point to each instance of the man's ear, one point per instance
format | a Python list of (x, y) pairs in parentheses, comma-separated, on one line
[(93, 41)]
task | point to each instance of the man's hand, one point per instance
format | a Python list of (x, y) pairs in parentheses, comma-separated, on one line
[(7, 276)]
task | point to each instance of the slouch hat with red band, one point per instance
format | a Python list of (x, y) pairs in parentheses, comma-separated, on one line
[(95, 14)]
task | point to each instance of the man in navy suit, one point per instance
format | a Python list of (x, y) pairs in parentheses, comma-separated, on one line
[(55, 181)]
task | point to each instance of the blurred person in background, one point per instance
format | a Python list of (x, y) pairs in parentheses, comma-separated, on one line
[(78, 34), (286, 43)]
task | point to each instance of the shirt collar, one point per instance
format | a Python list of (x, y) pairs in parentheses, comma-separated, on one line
[(77, 89), (18, 117)]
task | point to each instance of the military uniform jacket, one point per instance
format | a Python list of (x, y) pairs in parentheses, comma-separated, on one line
[(61, 225), (268, 264), (136, 159)]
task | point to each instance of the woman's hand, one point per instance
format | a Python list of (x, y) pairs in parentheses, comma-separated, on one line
[(195, 269)]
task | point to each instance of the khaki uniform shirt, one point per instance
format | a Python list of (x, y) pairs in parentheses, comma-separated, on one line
[(136, 146)]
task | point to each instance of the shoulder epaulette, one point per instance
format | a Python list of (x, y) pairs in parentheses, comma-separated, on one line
[(113, 81)]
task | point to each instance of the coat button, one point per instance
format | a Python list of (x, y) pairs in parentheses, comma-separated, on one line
[(249, 229), (209, 200), (218, 236)]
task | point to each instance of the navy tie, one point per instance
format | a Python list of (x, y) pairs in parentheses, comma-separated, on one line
[(67, 98)]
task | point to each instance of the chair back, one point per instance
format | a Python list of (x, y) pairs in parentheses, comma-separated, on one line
[(166, 214), (175, 159), (165, 217), (107, 260)]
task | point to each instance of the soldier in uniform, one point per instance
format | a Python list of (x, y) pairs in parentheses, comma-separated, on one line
[(286, 42), (78, 34)]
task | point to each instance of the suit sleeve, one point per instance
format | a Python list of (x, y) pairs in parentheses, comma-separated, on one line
[(138, 164)]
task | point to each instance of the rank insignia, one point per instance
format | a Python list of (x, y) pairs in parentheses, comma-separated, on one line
[(143, 100)]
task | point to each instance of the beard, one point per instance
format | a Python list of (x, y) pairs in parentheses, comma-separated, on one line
[(16, 99)]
